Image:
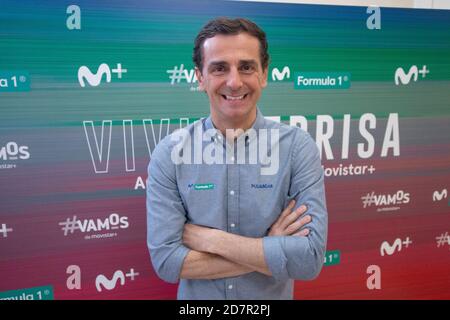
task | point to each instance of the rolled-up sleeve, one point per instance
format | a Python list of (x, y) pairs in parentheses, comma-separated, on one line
[(166, 216), (302, 257)]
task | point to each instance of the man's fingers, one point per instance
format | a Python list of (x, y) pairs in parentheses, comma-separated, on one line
[(306, 219), (284, 214), (293, 227), (302, 233), (288, 210), (288, 222), (293, 216), (291, 204)]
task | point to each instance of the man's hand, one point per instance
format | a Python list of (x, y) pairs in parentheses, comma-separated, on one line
[(243, 254), (200, 238), (288, 224), (243, 251)]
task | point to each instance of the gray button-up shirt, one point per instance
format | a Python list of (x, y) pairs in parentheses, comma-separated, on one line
[(237, 198)]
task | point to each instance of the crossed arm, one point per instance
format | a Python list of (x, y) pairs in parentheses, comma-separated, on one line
[(219, 254), (203, 253)]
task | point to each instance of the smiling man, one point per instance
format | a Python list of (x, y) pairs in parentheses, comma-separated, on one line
[(227, 230), (233, 77)]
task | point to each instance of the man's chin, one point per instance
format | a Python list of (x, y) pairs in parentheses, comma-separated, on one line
[(237, 111)]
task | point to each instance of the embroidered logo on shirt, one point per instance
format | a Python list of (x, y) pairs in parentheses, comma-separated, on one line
[(262, 185), (202, 186)]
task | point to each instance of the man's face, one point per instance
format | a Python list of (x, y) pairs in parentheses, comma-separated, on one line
[(232, 75)]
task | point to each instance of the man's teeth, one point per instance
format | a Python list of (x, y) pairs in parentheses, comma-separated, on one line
[(235, 98)]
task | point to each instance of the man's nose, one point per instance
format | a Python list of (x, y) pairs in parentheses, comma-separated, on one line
[(234, 81)]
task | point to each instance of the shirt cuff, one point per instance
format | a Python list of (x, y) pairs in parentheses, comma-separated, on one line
[(275, 258), (176, 260)]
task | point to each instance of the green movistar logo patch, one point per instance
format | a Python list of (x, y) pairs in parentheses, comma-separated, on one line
[(203, 186)]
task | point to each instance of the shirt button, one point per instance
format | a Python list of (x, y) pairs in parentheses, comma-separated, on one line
[(232, 192), (232, 225), (230, 287), (232, 158)]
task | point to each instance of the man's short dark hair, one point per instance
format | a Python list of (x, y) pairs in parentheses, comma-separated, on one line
[(227, 26)]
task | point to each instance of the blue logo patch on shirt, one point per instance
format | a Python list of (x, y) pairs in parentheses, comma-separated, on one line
[(262, 185)]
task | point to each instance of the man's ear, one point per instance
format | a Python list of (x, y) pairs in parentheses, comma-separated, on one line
[(200, 79), (264, 77)]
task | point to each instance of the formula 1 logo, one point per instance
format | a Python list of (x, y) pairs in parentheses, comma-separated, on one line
[(103, 281), (387, 248), (94, 80), (404, 78), (11, 81)]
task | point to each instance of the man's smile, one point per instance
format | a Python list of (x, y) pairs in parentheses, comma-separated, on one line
[(234, 98)]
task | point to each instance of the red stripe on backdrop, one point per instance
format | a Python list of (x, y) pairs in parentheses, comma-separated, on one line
[(416, 271)]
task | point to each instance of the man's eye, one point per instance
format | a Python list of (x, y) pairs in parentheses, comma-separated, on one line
[(219, 69), (247, 68)]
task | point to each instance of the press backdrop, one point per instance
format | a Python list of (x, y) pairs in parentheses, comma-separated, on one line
[(88, 88)]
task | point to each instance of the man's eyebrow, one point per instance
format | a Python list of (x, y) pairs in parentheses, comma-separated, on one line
[(217, 63), (213, 64), (251, 61)]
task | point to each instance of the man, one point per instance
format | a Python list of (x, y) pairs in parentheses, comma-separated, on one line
[(219, 226)]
